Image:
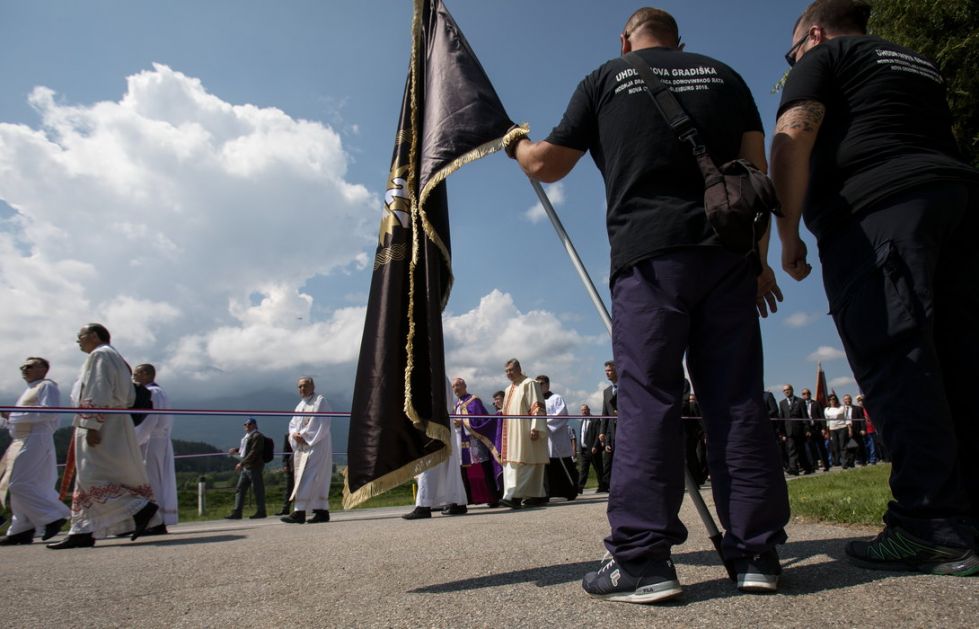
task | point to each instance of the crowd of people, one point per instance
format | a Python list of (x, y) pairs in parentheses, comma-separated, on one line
[(813, 436), (122, 464)]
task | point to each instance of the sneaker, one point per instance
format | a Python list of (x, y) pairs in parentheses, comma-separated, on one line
[(758, 573), (613, 583), (896, 549)]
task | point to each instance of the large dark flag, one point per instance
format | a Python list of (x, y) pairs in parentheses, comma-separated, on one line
[(450, 115)]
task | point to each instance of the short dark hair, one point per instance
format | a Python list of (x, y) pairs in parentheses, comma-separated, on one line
[(515, 363), (41, 361), (837, 16), (610, 363), (543, 378), (148, 368), (100, 331), (499, 394), (655, 22)]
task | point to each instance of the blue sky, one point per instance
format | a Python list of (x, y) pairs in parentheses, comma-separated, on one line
[(206, 178)]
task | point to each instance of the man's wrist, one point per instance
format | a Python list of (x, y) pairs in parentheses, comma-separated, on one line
[(510, 148)]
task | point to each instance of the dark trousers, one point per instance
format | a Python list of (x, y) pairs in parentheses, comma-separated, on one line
[(795, 451), (290, 485), (607, 459), (816, 449), (841, 456), (562, 478), (901, 278), (699, 301), (250, 477), (586, 461)]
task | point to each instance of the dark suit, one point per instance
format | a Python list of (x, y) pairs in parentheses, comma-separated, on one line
[(857, 426), (290, 473), (588, 459), (815, 444), (610, 406), (794, 433)]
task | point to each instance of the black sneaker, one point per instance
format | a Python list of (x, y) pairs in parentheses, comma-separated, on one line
[(613, 583), (758, 573), (896, 549)]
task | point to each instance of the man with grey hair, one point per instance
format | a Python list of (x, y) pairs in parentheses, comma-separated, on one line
[(312, 448), (523, 444), (28, 467), (112, 493)]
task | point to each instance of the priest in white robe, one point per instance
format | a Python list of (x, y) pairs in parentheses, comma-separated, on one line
[(112, 494), (28, 469), (562, 476), (153, 437), (441, 486), (312, 456), (524, 441)]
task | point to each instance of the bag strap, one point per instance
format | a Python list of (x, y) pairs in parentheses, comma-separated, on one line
[(667, 104)]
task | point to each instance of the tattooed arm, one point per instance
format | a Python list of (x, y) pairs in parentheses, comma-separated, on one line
[(795, 136)]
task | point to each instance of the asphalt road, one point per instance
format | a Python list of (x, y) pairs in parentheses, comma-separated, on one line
[(490, 568)]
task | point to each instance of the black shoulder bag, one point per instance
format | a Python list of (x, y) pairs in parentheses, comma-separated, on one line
[(737, 196)]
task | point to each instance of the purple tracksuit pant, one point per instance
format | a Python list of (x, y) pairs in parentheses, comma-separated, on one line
[(699, 301)]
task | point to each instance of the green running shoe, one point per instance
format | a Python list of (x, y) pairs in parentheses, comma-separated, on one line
[(896, 549)]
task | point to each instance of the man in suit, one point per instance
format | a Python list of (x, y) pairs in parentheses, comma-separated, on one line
[(610, 409), (793, 432), (815, 446), (589, 452), (858, 430)]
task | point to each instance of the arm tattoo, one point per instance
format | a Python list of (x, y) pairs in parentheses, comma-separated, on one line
[(805, 117)]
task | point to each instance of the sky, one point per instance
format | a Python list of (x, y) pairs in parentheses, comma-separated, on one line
[(207, 179)]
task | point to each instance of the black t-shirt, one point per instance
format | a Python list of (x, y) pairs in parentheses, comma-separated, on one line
[(654, 190), (887, 126)]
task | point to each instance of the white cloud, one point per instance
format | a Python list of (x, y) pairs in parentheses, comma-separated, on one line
[(842, 381), (555, 192), (825, 353), (801, 319), (479, 342), (186, 223)]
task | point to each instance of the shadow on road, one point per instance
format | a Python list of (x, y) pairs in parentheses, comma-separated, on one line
[(541, 577), (798, 578), (188, 541)]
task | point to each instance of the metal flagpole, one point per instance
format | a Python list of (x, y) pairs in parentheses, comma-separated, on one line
[(692, 489)]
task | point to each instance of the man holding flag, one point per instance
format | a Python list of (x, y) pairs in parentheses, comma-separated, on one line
[(675, 291)]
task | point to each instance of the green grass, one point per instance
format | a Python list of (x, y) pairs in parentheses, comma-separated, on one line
[(220, 495), (220, 498), (854, 496)]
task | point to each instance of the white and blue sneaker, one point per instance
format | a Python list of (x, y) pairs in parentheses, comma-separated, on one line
[(612, 583)]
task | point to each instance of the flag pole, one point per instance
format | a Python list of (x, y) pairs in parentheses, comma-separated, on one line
[(693, 490)]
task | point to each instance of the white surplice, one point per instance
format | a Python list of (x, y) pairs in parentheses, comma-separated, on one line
[(442, 485), (29, 470), (153, 437), (110, 482), (558, 440), (312, 459)]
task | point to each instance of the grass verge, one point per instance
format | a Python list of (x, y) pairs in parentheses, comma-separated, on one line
[(854, 496)]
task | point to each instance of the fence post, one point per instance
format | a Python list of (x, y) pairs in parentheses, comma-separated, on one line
[(201, 488)]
